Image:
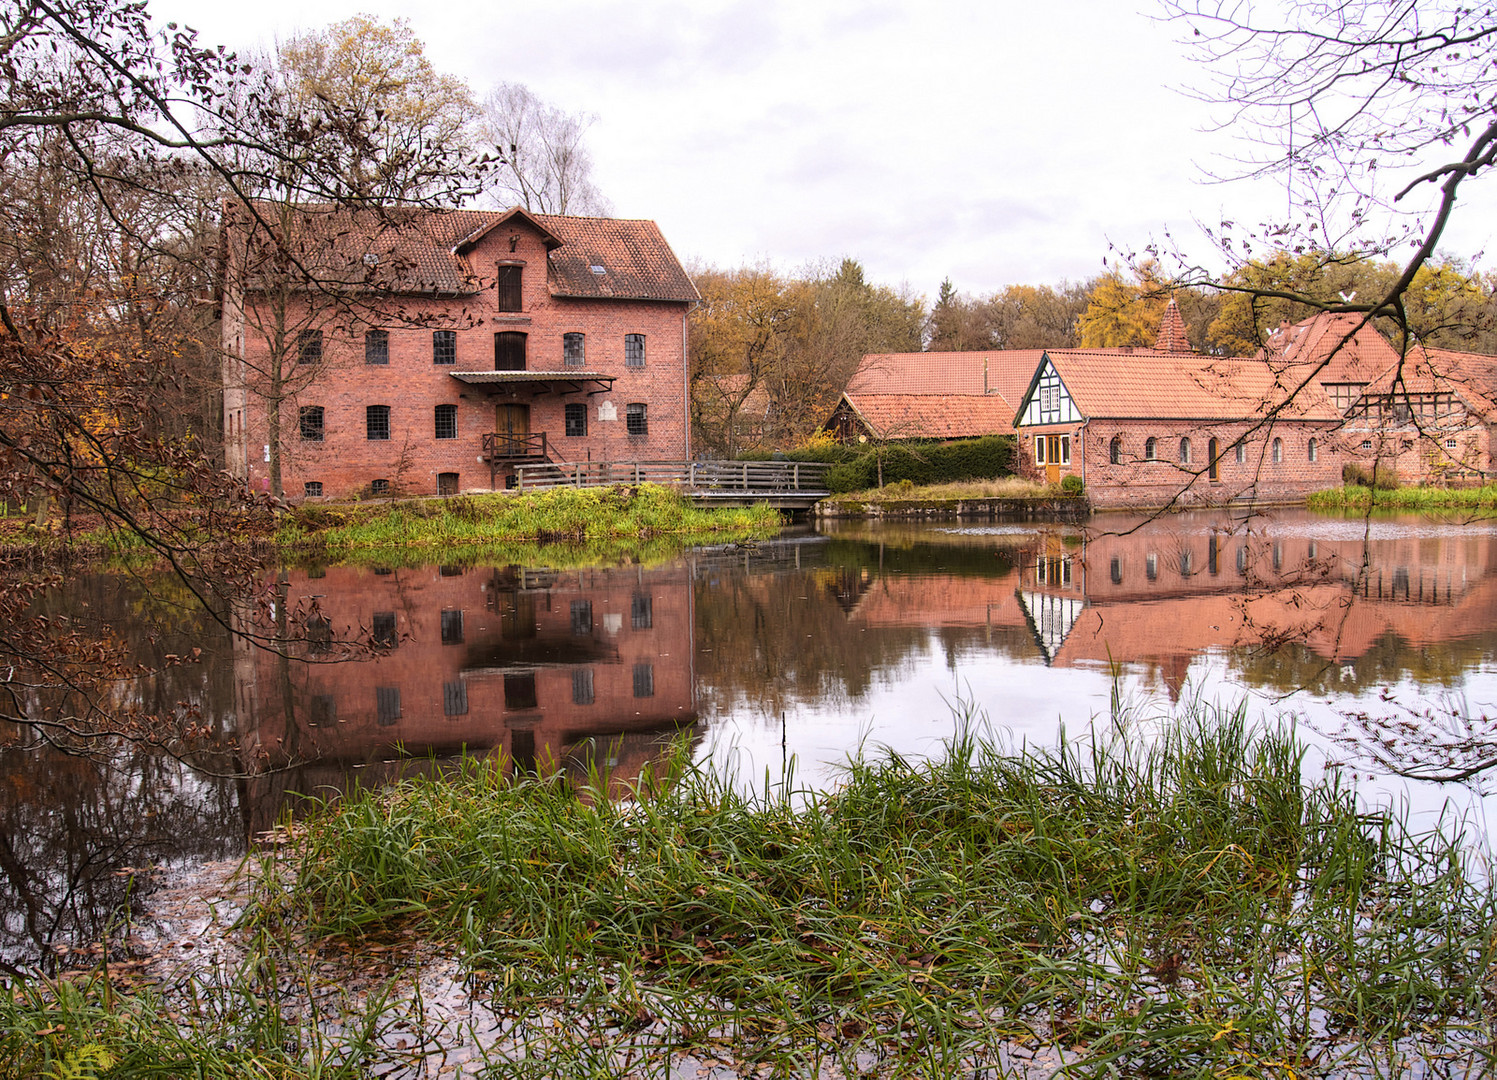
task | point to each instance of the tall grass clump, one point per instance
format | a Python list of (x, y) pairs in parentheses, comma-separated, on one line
[(254, 1023), (1358, 497), (1178, 905), (573, 515)]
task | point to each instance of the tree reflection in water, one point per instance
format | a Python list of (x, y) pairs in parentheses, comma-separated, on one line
[(599, 669)]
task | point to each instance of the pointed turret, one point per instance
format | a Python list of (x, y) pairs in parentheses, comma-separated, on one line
[(1172, 336)]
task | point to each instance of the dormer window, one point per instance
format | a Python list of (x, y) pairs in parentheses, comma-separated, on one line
[(508, 281)]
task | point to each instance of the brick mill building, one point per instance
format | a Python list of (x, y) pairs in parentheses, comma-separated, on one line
[(428, 352)]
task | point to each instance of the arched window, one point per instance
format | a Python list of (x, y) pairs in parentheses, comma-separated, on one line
[(1184, 451), (1278, 451), (1115, 450), (1149, 449), (1213, 452), (1314, 450)]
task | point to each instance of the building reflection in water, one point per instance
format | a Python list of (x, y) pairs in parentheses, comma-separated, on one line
[(538, 669)]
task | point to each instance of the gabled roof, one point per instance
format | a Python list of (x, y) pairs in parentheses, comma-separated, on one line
[(1004, 373), (1468, 376), (931, 416), (637, 262), (1364, 354), (405, 250), (1144, 384)]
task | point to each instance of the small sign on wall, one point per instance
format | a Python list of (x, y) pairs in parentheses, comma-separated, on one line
[(606, 411)]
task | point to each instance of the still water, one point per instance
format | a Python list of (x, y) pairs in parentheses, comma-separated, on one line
[(1375, 638)]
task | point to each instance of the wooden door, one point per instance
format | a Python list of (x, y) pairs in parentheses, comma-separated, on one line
[(1052, 458), (512, 425)]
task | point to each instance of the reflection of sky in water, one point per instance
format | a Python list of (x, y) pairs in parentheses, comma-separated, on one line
[(913, 709)]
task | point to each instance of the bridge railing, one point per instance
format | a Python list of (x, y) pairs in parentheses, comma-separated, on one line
[(723, 476)]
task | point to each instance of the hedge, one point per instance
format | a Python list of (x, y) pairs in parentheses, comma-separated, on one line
[(987, 458)]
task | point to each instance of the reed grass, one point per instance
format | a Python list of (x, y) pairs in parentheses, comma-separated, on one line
[(1177, 905), (254, 1023), (1357, 497), (572, 515)]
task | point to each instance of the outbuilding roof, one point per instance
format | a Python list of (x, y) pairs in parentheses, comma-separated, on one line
[(1145, 384), (928, 416)]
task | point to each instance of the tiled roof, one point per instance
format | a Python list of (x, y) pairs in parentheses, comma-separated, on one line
[(1365, 354), (928, 416), (1005, 373), (637, 262), (1185, 386), (1172, 336), (404, 250), (1424, 371)]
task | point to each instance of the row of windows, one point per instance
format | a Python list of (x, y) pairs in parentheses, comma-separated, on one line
[(519, 695), (444, 421), (510, 347), (383, 632), (1213, 552), (447, 484), (1187, 451)]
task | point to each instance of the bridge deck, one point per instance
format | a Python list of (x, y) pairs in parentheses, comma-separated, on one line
[(788, 484)]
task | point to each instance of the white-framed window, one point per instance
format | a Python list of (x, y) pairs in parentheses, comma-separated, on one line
[(1185, 451), (1239, 453), (1278, 451), (1039, 449), (1312, 451), (1151, 448)]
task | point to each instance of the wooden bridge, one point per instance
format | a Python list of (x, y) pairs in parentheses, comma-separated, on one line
[(791, 485)]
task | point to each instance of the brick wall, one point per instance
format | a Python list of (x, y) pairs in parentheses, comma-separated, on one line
[(346, 461), (1138, 481)]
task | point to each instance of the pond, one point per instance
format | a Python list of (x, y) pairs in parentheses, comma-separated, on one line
[(1375, 637)]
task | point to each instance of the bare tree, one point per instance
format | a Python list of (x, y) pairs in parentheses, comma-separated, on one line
[(1374, 112), (542, 163)]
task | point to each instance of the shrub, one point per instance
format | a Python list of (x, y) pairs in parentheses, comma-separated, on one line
[(1382, 477), (990, 457), (1071, 484)]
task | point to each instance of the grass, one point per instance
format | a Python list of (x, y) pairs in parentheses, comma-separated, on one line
[(904, 491), (253, 1025), (1357, 497), (589, 516), (1181, 905)]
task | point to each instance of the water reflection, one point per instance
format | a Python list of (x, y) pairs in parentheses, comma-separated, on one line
[(536, 668), (811, 645)]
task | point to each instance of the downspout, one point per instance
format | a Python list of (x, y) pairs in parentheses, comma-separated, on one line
[(686, 374), (1081, 440)]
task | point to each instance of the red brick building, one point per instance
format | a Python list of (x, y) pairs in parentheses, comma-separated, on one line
[(432, 352)]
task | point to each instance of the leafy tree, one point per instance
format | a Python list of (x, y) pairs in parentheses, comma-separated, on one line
[(1123, 312), (371, 88), (1037, 316), (958, 323), (739, 335)]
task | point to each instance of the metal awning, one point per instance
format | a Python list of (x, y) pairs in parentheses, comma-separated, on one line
[(539, 382)]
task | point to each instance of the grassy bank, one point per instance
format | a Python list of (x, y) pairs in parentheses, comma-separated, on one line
[(1356, 497), (586, 516), (1184, 906)]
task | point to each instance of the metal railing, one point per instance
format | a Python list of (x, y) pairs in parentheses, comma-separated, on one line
[(500, 444), (720, 476)]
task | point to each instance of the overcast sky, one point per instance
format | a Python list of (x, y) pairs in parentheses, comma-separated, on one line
[(994, 142)]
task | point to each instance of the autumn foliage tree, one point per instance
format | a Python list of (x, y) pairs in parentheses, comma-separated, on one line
[(771, 354)]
